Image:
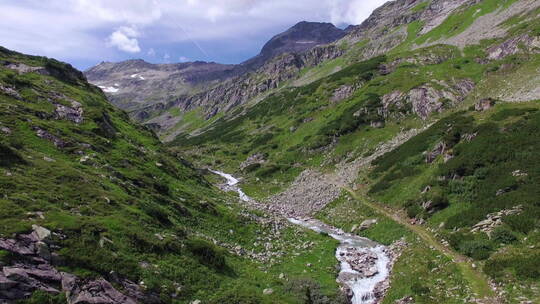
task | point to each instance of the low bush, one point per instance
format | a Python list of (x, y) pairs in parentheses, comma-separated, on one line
[(522, 265), (207, 253), (520, 222), (476, 249), (503, 235)]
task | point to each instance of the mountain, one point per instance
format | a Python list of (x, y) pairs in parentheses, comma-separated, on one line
[(420, 125), (148, 90), (161, 82), (94, 209), (398, 164), (299, 38)]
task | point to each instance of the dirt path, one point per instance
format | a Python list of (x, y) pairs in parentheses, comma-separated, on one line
[(476, 279)]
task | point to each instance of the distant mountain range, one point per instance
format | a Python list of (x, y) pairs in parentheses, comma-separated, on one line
[(133, 84)]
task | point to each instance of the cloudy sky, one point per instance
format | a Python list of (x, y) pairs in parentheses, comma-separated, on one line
[(86, 32)]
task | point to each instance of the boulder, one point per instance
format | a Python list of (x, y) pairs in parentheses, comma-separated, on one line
[(73, 113), (41, 233), (5, 130), (405, 300), (268, 291), (342, 93), (484, 104), (367, 224), (252, 160), (97, 291)]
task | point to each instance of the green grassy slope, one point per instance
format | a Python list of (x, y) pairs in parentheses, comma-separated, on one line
[(125, 203)]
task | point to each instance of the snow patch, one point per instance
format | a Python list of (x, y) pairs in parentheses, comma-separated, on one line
[(109, 89)]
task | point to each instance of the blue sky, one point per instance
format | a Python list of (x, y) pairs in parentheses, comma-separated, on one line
[(86, 32)]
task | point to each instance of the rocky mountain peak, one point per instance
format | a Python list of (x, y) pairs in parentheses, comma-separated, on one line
[(299, 38)]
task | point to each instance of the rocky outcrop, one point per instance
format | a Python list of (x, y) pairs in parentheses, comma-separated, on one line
[(140, 87), (484, 104), (299, 38), (514, 45), (32, 268), (439, 149), (237, 91), (342, 93), (22, 68), (98, 291), (426, 99), (253, 160), (9, 91), (57, 141), (73, 113), (429, 57), (494, 220), (367, 224)]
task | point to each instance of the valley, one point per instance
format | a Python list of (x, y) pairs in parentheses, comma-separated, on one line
[(396, 161)]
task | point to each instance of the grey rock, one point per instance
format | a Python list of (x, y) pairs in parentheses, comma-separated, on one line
[(484, 104), (97, 291), (257, 158), (74, 113), (5, 130), (342, 93), (41, 233), (7, 90), (405, 300), (367, 224), (58, 142), (514, 45)]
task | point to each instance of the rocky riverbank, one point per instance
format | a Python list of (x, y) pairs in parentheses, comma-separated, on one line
[(365, 265)]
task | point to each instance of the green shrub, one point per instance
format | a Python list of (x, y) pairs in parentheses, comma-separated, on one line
[(414, 210), (270, 170), (476, 249), (9, 157), (309, 291), (238, 294), (520, 222), (207, 253), (157, 212), (419, 289), (523, 265), (252, 167), (503, 235), (42, 297)]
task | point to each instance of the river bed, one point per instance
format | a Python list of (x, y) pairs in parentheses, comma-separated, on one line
[(364, 264)]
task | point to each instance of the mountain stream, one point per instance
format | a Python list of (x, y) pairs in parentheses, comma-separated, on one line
[(364, 263)]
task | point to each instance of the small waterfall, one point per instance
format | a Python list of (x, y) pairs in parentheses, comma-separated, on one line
[(352, 252), (232, 183)]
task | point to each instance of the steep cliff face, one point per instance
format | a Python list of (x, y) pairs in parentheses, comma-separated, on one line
[(301, 37)]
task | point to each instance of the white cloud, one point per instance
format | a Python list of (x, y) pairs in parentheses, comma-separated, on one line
[(81, 29), (183, 59), (125, 39), (151, 52), (352, 11), (126, 11)]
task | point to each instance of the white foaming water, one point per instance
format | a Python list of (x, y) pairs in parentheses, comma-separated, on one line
[(233, 182), (362, 287)]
